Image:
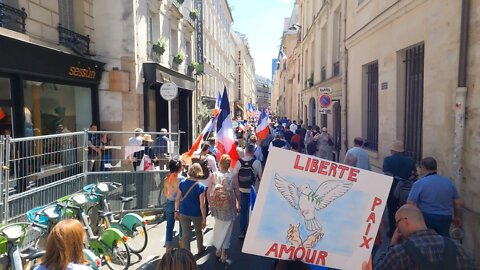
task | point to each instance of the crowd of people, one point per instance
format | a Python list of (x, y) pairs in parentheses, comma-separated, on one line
[(421, 208)]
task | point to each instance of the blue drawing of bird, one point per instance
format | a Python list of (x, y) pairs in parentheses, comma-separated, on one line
[(308, 201)]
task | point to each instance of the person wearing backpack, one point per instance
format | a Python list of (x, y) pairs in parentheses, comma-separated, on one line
[(401, 167), (246, 172), (224, 202), (190, 207)]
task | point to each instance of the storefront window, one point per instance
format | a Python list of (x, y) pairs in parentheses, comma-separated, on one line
[(50, 105), (5, 108), (4, 89)]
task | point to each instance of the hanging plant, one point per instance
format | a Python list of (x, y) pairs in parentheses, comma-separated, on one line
[(194, 14), (179, 58), (191, 67), (160, 46)]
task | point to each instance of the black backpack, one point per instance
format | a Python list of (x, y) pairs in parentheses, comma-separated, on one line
[(202, 160), (246, 173), (402, 190)]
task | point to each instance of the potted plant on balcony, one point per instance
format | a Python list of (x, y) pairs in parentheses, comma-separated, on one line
[(179, 58), (191, 67), (160, 46), (194, 14)]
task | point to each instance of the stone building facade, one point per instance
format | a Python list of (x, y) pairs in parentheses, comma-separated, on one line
[(404, 83), (408, 71), (48, 74), (245, 86), (149, 43)]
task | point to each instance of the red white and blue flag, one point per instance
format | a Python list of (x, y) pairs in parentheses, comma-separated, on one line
[(262, 126), (206, 130), (241, 126), (250, 110), (216, 110), (225, 135)]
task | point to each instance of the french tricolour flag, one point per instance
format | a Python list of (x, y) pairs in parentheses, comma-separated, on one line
[(241, 126), (225, 136), (262, 126), (200, 138), (250, 110)]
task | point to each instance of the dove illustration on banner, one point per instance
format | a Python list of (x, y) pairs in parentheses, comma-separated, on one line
[(308, 201)]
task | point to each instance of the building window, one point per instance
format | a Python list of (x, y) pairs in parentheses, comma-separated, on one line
[(371, 141), (173, 42), (51, 105), (324, 120), (414, 101), (67, 14), (336, 43)]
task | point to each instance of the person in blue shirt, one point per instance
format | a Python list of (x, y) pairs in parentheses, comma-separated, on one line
[(190, 207), (363, 161), (401, 167), (437, 197)]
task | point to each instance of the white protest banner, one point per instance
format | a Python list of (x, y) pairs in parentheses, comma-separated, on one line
[(318, 211)]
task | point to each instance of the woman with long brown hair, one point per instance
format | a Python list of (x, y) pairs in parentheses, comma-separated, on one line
[(64, 248)]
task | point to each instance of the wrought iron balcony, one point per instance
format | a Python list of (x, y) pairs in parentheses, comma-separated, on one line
[(12, 18), (78, 43)]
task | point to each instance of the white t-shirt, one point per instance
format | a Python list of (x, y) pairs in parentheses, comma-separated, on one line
[(293, 128)]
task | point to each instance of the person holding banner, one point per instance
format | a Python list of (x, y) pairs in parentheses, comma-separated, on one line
[(224, 197), (246, 172)]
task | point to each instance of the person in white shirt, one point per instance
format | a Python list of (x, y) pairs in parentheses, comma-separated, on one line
[(244, 165), (293, 126)]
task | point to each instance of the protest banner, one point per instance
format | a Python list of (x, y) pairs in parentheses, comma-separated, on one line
[(317, 211)]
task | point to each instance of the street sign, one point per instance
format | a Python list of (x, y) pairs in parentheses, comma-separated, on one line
[(325, 111), (325, 101), (325, 90), (169, 91)]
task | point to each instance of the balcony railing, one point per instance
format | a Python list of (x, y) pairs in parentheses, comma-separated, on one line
[(336, 68), (12, 18), (78, 43), (323, 74)]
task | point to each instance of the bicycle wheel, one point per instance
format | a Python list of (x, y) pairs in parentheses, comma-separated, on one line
[(118, 257), (138, 242)]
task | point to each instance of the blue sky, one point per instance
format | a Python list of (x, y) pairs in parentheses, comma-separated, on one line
[(262, 22)]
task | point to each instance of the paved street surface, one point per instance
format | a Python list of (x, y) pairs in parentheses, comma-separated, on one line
[(208, 261), (237, 260)]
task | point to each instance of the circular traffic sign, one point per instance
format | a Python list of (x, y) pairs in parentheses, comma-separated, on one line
[(169, 91), (325, 100)]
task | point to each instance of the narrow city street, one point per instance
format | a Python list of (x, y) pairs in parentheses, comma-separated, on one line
[(207, 261)]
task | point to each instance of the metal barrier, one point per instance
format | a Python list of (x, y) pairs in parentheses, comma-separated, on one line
[(38, 170)]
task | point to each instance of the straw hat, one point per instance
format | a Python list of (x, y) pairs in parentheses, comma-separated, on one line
[(397, 146), (147, 137)]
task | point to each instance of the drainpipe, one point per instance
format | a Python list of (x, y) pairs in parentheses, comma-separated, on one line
[(461, 98), (344, 106)]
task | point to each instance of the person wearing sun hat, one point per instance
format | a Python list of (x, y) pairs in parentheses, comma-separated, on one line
[(401, 167)]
